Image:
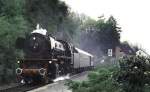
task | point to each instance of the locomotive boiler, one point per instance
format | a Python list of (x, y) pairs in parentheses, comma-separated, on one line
[(46, 58)]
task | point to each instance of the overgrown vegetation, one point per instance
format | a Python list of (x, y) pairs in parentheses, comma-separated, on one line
[(12, 24), (100, 80), (133, 75), (101, 35)]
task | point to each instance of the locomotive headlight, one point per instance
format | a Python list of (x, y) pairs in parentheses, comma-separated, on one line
[(50, 62), (34, 38), (18, 62), (42, 71), (18, 71)]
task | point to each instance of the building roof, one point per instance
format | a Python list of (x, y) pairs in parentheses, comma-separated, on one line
[(127, 49)]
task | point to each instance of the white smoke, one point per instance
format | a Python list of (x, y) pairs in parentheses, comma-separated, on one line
[(61, 78), (39, 30)]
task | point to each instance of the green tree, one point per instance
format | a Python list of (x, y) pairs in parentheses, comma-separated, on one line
[(134, 74), (108, 34), (48, 13), (12, 25), (100, 35)]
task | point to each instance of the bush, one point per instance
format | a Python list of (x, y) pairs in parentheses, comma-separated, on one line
[(99, 80), (134, 74)]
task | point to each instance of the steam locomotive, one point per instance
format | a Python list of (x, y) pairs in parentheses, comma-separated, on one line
[(46, 58)]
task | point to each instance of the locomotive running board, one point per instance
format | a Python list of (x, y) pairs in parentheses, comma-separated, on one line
[(37, 59), (63, 57)]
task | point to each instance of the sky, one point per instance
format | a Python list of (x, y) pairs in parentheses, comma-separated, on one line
[(133, 16)]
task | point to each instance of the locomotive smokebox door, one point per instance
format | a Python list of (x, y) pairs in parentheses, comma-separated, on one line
[(20, 43)]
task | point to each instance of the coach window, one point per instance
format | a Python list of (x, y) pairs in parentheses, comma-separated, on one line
[(59, 46), (55, 45)]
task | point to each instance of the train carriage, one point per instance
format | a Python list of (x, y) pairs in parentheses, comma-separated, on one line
[(82, 59)]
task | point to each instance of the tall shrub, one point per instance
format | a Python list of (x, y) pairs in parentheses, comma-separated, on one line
[(134, 73)]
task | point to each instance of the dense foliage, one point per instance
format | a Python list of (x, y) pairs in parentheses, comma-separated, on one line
[(108, 34), (100, 80), (133, 75), (12, 24), (100, 35), (49, 13)]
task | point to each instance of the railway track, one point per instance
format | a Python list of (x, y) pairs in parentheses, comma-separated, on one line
[(21, 88), (25, 88), (60, 86)]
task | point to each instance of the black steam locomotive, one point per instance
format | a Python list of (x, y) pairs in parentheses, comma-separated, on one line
[(46, 58)]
